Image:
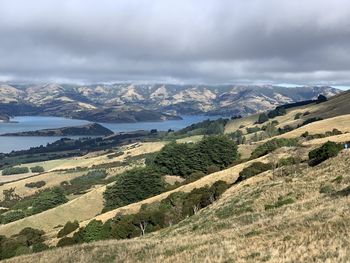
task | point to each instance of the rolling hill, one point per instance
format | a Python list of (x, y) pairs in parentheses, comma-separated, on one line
[(291, 212)]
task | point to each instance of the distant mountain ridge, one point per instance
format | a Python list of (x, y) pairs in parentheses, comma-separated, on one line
[(132, 103)]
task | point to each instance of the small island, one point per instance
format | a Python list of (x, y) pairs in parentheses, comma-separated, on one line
[(92, 129)]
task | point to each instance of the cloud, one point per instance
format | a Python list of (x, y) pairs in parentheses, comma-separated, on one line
[(301, 41)]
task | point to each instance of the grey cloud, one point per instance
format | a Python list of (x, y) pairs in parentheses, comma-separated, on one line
[(181, 41)]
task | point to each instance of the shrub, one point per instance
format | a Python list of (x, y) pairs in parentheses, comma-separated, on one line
[(37, 184), (326, 151), (253, 129), (326, 189), (305, 134), (133, 186), (66, 241), (152, 217), (93, 231), (39, 247), (11, 216), (253, 169), (280, 202), (237, 137), (311, 120), (48, 199), (262, 118), (68, 228), (321, 98), (279, 111), (15, 170), (85, 182), (289, 161), (37, 169), (272, 145), (297, 116), (31, 235), (212, 169), (26, 241)]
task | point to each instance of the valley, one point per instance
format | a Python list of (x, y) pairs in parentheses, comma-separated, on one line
[(205, 192)]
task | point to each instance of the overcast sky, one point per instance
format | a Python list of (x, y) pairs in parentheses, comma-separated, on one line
[(176, 41)]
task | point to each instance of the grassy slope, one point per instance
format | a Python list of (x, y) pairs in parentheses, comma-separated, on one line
[(55, 177), (229, 175), (88, 161), (341, 123), (51, 179), (237, 228), (81, 208), (335, 106)]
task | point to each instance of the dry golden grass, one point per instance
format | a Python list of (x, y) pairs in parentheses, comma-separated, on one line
[(81, 208), (341, 123), (171, 179), (335, 106), (51, 179), (229, 175), (15, 177), (245, 150), (193, 139), (337, 138), (100, 158), (314, 227)]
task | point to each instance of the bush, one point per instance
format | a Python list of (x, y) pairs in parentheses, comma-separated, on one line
[(15, 170), (48, 199), (262, 118), (280, 202), (31, 235), (85, 182), (288, 161), (297, 116), (26, 241), (68, 228), (321, 98), (326, 151), (253, 169), (93, 231), (37, 184), (311, 120), (152, 217), (133, 186), (253, 129), (37, 169), (237, 137), (39, 247), (66, 241), (212, 169), (326, 189), (11, 216), (279, 111), (272, 145)]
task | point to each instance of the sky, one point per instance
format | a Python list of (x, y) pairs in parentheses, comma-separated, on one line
[(304, 42)]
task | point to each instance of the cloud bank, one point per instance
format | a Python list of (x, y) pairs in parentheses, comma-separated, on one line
[(184, 41)]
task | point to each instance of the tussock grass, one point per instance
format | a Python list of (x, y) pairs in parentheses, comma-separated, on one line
[(237, 228)]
